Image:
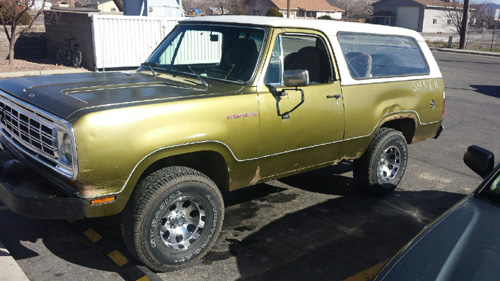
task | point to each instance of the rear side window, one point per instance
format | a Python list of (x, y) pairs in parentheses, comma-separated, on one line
[(372, 55)]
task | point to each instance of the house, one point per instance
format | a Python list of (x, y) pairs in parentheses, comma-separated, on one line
[(153, 8), (298, 8), (420, 15), (106, 6)]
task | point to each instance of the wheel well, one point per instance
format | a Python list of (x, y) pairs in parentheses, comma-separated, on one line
[(405, 126), (209, 163)]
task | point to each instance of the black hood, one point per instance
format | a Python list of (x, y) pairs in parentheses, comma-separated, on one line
[(70, 95)]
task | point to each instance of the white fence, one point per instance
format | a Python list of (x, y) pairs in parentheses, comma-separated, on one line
[(196, 47), (127, 41)]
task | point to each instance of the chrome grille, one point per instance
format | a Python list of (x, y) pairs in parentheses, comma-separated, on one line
[(29, 129)]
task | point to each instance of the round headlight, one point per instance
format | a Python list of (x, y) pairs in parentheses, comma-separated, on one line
[(66, 150)]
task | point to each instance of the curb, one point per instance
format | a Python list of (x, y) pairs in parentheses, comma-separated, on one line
[(469, 52), (10, 269), (41, 72)]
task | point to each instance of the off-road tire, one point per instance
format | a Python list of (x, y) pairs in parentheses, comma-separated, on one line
[(381, 168), (173, 218)]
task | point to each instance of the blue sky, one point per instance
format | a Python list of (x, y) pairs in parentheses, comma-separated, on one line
[(488, 1)]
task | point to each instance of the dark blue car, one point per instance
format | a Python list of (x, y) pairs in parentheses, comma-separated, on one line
[(464, 242)]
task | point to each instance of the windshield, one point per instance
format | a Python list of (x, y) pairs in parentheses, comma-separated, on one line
[(210, 51)]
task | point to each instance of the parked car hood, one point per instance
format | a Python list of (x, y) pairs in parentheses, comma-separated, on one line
[(464, 244), (64, 95)]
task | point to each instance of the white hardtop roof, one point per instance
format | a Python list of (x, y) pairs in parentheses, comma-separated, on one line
[(329, 27)]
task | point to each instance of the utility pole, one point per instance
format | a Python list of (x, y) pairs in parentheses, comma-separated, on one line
[(465, 21), (288, 8)]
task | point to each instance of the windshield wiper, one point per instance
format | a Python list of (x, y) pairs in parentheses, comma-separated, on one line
[(151, 68), (198, 76)]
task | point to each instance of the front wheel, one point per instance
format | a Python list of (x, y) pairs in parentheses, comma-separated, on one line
[(382, 167), (64, 56), (173, 218)]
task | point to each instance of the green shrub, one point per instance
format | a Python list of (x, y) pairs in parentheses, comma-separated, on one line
[(325, 17), (274, 12), (10, 11)]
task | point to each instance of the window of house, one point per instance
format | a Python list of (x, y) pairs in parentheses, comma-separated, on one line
[(434, 21), (372, 55), (301, 13), (311, 14)]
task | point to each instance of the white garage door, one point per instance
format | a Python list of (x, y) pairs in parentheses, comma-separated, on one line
[(407, 17)]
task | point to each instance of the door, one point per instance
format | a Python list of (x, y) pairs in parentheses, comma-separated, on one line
[(407, 17), (300, 127)]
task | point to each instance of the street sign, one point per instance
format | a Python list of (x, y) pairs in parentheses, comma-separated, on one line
[(497, 13)]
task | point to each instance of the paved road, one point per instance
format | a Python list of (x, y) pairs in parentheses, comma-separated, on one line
[(311, 226)]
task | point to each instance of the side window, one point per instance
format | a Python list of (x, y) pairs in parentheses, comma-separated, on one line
[(297, 51), (372, 55)]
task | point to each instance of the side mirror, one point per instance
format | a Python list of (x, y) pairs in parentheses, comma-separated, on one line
[(296, 78), (479, 160)]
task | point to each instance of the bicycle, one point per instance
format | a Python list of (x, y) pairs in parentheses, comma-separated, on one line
[(70, 56)]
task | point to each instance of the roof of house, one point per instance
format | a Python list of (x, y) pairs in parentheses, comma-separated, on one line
[(433, 3), (437, 3), (308, 5)]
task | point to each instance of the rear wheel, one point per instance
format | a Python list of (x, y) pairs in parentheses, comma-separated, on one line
[(173, 218), (77, 58), (382, 167)]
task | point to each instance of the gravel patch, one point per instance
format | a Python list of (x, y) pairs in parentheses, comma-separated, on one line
[(33, 65)]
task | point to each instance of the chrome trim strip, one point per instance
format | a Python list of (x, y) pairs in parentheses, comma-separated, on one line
[(260, 157)]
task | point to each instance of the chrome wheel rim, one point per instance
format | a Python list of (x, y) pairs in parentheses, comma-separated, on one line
[(389, 163), (182, 223)]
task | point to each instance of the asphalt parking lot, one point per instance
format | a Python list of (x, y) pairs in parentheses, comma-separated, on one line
[(310, 226)]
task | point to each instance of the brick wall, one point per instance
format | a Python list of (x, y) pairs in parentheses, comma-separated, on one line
[(60, 25), (4, 46), (30, 45)]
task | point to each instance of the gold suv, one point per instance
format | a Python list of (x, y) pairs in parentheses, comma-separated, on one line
[(222, 103)]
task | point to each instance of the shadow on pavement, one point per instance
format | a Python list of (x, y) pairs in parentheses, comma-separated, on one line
[(338, 238), (489, 90), (23, 236), (335, 239)]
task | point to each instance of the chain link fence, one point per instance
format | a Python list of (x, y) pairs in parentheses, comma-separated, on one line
[(477, 39)]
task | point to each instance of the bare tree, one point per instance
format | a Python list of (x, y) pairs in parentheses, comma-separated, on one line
[(238, 7), (11, 16), (233, 7), (484, 16), (454, 13), (360, 9), (119, 4)]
